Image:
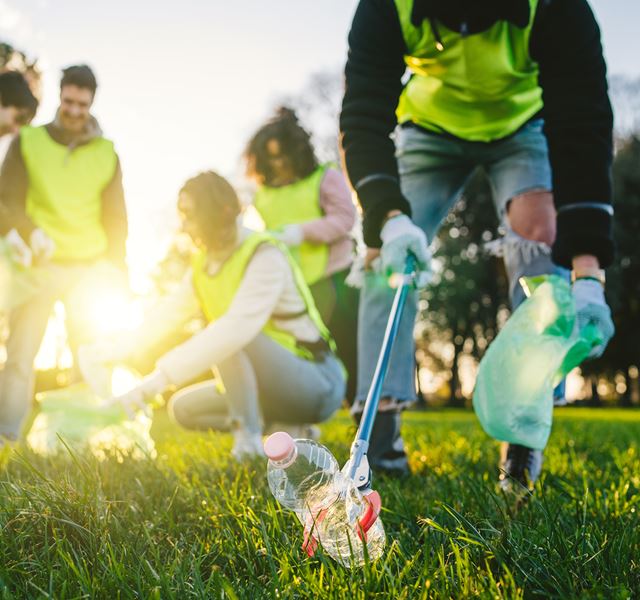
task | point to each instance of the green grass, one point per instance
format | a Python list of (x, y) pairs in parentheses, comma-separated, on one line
[(194, 524)]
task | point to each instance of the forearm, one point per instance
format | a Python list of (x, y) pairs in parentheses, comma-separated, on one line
[(114, 218), (14, 183), (578, 126), (251, 308), (339, 212), (372, 87)]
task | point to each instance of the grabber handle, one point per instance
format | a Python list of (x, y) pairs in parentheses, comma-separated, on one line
[(393, 324)]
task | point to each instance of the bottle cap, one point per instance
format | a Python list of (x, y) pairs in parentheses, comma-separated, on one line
[(278, 445)]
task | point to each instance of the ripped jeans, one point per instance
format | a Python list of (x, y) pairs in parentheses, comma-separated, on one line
[(433, 170)]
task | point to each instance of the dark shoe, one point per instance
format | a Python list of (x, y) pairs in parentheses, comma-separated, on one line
[(520, 468), (386, 452)]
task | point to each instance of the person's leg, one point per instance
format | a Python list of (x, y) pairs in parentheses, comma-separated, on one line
[(433, 171), (264, 379), (343, 325), (521, 178), (27, 325), (293, 389), (200, 406)]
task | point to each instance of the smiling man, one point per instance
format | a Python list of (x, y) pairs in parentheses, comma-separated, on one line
[(63, 208)]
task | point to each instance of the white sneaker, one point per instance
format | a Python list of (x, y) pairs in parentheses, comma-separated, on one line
[(246, 445)]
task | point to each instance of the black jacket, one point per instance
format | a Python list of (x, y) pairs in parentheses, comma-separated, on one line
[(14, 183), (565, 42)]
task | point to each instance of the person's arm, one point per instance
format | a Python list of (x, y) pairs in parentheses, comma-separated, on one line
[(339, 211), (252, 306), (14, 182), (565, 42), (114, 218), (373, 75)]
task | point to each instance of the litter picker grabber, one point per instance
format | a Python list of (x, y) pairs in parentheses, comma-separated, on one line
[(357, 468)]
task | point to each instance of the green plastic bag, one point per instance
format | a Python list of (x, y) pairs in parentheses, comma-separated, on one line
[(17, 282), (537, 347), (77, 417)]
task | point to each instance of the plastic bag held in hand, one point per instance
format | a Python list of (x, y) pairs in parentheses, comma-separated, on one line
[(400, 236), (592, 311), (544, 339)]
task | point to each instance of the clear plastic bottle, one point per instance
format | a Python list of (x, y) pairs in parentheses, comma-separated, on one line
[(305, 477), (337, 527), (300, 472)]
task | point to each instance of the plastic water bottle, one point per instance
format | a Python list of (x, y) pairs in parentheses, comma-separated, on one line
[(300, 472), (305, 477), (337, 527)]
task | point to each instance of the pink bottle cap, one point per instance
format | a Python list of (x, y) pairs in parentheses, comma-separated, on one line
[(278, 445)]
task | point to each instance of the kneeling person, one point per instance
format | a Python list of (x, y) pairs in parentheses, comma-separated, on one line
[(274, 355)]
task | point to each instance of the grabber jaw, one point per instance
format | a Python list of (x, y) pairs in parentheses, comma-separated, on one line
[(365, 522), (361, 475)]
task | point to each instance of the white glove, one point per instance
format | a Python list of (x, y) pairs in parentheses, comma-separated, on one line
[(41, 244), (135, 399), (400, 236), (291, 235), (20, 251), (592, 309)]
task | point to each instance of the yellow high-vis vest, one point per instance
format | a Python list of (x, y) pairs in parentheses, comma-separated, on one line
[(64, 197), (216, 292), (480, 87), (292, 204)]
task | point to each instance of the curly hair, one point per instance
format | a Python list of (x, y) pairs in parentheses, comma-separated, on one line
[(216, 207), (295, 146)]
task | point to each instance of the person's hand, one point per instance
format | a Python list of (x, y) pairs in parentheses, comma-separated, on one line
[(400, 236), (291, 235), (135, 400), (20, 251), (41, 244), (592, 310)]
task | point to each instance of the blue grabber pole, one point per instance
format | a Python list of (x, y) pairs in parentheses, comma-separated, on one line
[(357, 468)]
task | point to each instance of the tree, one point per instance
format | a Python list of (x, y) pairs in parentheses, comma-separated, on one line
[(318, 106), (463, 308)]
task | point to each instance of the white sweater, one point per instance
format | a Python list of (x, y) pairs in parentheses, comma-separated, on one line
[(267, 288)]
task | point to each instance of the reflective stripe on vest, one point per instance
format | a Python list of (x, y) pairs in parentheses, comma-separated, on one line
[(480, 87), (297, 203), (64, 197), (216, 292)]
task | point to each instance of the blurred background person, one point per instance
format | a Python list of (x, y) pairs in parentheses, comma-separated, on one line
[(308, 206), (265, 337), (62, 197)]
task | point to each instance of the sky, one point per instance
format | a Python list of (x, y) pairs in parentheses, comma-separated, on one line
[(182, 86)]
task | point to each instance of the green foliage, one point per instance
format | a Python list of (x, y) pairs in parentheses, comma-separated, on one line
[(623, 277), (194, 524)]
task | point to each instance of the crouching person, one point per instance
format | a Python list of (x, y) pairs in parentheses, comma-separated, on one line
[(264, 335)]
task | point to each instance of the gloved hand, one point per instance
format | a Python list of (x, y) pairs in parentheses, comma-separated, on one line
[(20, 251), (291, 235), (41, 244), (135, 399), (400, 236), (592, 309)]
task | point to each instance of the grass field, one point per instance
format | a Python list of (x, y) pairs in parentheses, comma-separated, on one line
[(194, 524)]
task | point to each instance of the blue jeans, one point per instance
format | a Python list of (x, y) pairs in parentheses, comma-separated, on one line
[(263, 382), (433, 171)]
